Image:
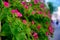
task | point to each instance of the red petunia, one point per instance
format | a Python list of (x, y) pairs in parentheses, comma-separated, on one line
[(30, 4), (38, 27), (24, 21), (13, 11), (39, 12), (17, 13), (36, 1), (35, 35), (50, 29), (41, 5), (33, 12), (32, 22), (23, 3), (6, 4), (26, 6)]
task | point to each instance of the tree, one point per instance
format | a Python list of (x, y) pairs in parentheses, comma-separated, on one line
[(51, 7)]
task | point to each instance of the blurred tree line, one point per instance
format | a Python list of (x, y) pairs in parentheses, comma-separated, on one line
[(51, 7)]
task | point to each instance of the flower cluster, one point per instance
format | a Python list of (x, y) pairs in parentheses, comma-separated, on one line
[(30, 18)]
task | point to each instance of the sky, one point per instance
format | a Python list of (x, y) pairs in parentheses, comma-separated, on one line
[(56, 3)]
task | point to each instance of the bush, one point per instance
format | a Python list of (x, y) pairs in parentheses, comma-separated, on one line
[(21, 20)]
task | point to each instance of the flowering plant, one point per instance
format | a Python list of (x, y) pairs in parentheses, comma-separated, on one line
[(21, 20)]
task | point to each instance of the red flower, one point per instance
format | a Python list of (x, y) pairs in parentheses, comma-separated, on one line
[(18, 13), (33, 12), (50, 29), (24, 21), (6, 4), (36, 1), (23, 3), (13, 11), (32, 22), (35, 35), (47, 33), (30, 4), (26, 6), (38, 27), (39, 12), (42, 5)]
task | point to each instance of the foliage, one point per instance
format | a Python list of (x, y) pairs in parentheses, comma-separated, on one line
[(21, 20), (51, 7)]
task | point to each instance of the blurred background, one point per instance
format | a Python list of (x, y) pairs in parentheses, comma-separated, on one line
[(54, 6)]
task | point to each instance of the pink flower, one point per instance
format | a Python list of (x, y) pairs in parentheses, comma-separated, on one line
[(42, 5), (16, 10), (36, 1), (6, 4), (30, 4), (24, 21), (18, 13), (50, 29), (33, 12), (13, 11), (47, 33), (26, 6), (39, 12), (35, 35), (32, 22), (23, 3), (38, 27)]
